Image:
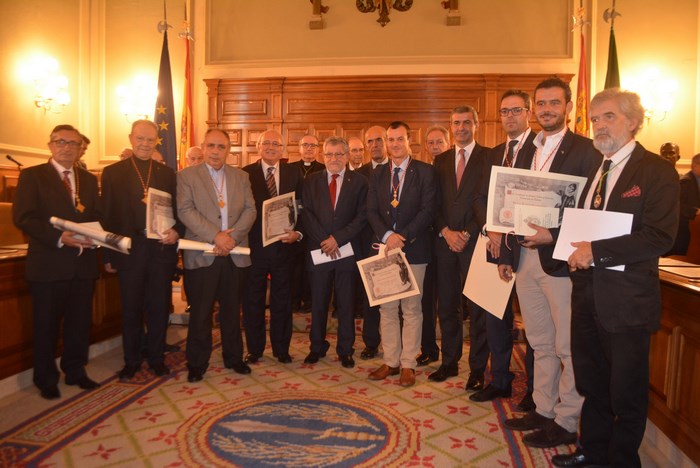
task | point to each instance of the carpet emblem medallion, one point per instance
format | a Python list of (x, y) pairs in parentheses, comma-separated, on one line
[(298, 429)]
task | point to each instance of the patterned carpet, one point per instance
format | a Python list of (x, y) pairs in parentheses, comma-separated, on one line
[(280, 415)]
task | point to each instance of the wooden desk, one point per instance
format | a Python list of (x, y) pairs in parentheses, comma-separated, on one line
[(674, 405), (16, 314)]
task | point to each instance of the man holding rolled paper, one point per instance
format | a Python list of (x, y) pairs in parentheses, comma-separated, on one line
[(61, 266), (216, 205)]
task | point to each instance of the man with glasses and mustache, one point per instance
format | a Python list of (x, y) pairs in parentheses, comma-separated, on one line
[(517, 151), (268, 179), (61, 266), (145, 275), (542, 283), (615, 312), (334, 215)]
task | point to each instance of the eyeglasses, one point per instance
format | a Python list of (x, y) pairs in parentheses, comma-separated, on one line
[(516, 111), (62, 143), (274, 144), (309, 145), (333, 155)]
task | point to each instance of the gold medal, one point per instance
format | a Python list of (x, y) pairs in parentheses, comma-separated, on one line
[(394, 203), (80, 207), (597, 200), (221, 203)]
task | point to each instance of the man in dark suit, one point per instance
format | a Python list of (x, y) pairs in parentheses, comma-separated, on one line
[(301, 287), (268, 179), (216, 205), (61, 267), (458, 172), (615, 312), (400, 205), (690, 206), (543, 285), (375, 142), (437, 141), (145, 275), (334, 214), (517, 151)]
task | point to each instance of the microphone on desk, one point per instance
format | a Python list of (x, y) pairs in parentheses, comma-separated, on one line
[(19, 164)]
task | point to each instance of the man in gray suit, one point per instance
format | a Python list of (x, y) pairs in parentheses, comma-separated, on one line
[(216, 205)]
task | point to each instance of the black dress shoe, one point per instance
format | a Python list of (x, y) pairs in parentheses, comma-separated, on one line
[(284, 358), (475, 382), (347, 361), (526, 404), (50, 393), (194, 375), (84, 382), (159, 369), (251, 358), (491, 392), (551, 436), (171, 348), (424, 359), (128, 372), (239, 367), (443, 373), (531, 420), (574, 459), (312, 358), (369, 353)]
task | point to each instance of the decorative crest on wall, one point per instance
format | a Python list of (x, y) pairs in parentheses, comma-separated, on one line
[(384, 7)]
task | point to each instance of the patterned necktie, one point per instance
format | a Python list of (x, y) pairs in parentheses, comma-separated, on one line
[(598, 201), (460, 167), (333, 188), (509, 154), (270, 181), (67, 184), (393, 210)]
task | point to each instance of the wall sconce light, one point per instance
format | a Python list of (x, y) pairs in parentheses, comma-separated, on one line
[(138, 99), (50, 87), (656, 92)]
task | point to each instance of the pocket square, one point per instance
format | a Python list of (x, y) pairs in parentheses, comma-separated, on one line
[(633, 192)]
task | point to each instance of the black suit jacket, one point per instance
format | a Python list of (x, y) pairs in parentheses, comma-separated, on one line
[(495, 157), (291, 180), (648, 189), (41, 195), (367, 235), (125, 213), (455, 206), (415, 210), (575, 156), (690, 202), (346, 222), (307, 170)]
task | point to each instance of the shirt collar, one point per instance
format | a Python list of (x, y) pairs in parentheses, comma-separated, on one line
[(551, 139), (60, 168), (467, 149)]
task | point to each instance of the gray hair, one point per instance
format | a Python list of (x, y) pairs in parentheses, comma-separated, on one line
[(336, 140), (629, 102)]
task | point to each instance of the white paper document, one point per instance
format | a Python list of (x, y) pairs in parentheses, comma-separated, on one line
[(483, 285), (278, 213), (318, 257), (387, 277), (94, 231), (590, 225), (159, 213), (537, 196), (207, 248)]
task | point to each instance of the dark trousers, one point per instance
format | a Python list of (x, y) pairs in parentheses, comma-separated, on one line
[(145, 284), (69, 301), (499, 334), (300, 279), (612, 374), (451, 274), (338, 277), (218, 282), (279, 270), (428, 340)]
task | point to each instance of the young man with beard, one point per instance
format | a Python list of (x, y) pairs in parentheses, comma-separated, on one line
[(542, 283)]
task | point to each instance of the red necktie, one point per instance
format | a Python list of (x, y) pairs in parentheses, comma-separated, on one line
[(66, 182), (460, 167), (332, 188)]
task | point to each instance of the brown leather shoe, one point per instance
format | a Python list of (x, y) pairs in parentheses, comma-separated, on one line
[(383, 372), (408, 377)]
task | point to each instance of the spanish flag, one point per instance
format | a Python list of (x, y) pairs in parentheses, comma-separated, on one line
[(582, 91)]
